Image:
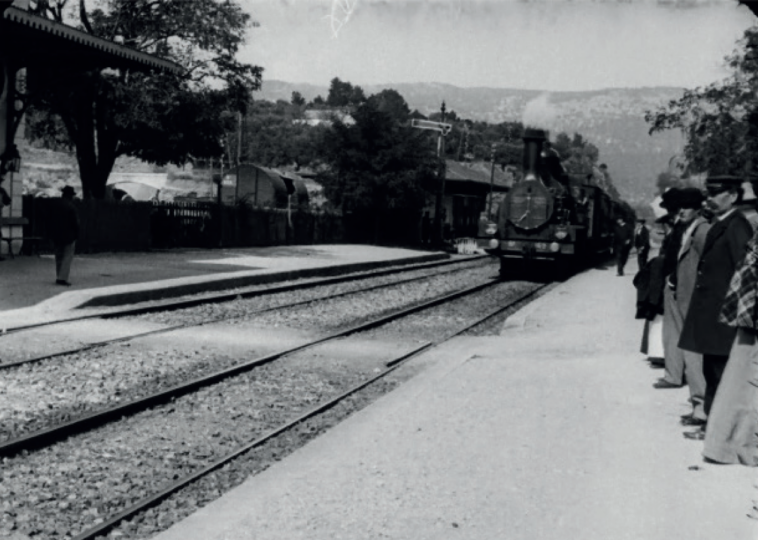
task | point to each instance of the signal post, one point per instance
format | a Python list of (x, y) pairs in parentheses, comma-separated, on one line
[(442, 130)]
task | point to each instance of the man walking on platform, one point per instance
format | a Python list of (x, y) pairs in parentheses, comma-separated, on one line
[(724, 249), (622, 244), (641, 243), (64, 232)]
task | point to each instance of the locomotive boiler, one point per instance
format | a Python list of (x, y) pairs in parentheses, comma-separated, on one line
[(549, 218)]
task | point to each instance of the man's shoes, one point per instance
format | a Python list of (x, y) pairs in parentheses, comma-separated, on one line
[(664, 384), (698, 435), (62, 282), (690, 420)]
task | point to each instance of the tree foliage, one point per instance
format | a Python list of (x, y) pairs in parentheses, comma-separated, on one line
[(275, 135), (719, 121), (376, 164), (156, 116), (343, 94)]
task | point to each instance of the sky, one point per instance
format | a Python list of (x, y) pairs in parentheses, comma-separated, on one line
[(552, 45)]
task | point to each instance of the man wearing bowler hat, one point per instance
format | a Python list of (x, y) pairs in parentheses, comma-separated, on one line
[(724, 249)]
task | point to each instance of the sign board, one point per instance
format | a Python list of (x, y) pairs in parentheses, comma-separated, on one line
[(434, 126)]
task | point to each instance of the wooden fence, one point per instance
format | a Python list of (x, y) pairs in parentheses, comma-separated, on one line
[(141, 226)]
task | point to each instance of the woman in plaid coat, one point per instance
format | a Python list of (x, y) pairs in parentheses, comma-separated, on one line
[(731, 434)]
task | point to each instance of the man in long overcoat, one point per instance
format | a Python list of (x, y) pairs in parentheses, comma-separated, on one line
[(724, 249), (64, 232), (622, 243)]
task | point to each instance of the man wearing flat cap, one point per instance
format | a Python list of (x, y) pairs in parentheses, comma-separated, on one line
[(724, 249)]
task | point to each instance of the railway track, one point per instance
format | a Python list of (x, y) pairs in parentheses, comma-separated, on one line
[(179, 304), (391, 365), (104, 525), (228, 295)]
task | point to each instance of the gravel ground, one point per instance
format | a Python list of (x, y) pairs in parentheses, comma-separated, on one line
[(35, 396), (71, 486), (446, 277), (77, 483)]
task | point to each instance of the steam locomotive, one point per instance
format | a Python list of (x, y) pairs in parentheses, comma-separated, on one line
[(549, 218)]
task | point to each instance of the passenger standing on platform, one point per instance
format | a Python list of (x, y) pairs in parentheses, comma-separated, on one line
[(622, 244), (64, 232), (731, 435), (650, 283), (641, 243), (689, 201), (724, 249)]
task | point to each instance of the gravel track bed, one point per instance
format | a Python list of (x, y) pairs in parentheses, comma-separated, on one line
[(73, 485), (438, 322), (463, 260), (241, 306), (36, 396), (333, 314)]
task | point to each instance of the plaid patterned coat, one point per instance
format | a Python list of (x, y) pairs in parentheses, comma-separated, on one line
[(739, 305), (724, 249)]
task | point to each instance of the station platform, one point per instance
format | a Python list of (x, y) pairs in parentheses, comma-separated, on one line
[(28, 293), (550, 431)]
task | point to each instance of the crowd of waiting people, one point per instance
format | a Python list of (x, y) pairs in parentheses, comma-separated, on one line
[(698, 299)]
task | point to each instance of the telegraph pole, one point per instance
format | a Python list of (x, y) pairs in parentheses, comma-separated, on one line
[(442, 130), (492, 182)]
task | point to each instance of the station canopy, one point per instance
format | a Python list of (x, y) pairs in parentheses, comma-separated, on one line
[(28, 40)]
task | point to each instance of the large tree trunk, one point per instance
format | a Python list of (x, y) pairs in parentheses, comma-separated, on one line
[(89, 127)]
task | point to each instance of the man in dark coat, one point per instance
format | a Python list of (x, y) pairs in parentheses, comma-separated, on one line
[(641, 243), (622, 243), (724, 249), (64, 232)]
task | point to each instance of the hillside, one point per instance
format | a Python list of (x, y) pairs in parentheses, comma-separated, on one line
[(612, 119)]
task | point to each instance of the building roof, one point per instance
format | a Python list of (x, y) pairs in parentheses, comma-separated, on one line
[(479, 172), (34, 40)]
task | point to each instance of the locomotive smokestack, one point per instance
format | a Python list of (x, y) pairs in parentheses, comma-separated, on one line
[(533, 140)]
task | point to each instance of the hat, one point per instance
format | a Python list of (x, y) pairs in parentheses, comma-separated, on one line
[(68, 190), (690, 197), (670, 199), (723, 182)]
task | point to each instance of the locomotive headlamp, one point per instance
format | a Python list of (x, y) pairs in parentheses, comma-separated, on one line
[(491, 228), (554, 247), (494, 244), (560, 234)]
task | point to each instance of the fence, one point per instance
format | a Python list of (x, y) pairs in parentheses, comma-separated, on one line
[(140, 226)]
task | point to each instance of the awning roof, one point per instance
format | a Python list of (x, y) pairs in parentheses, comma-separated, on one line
[(476, 173), (35, 41)]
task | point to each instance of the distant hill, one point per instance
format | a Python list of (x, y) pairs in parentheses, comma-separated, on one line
[(612, 119)]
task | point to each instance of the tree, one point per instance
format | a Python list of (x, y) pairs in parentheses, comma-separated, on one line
[(274, 136), (579, 156), (719, 121), (158, 117), (377, 164), (344, 94), (391, 102), (297, 99)]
